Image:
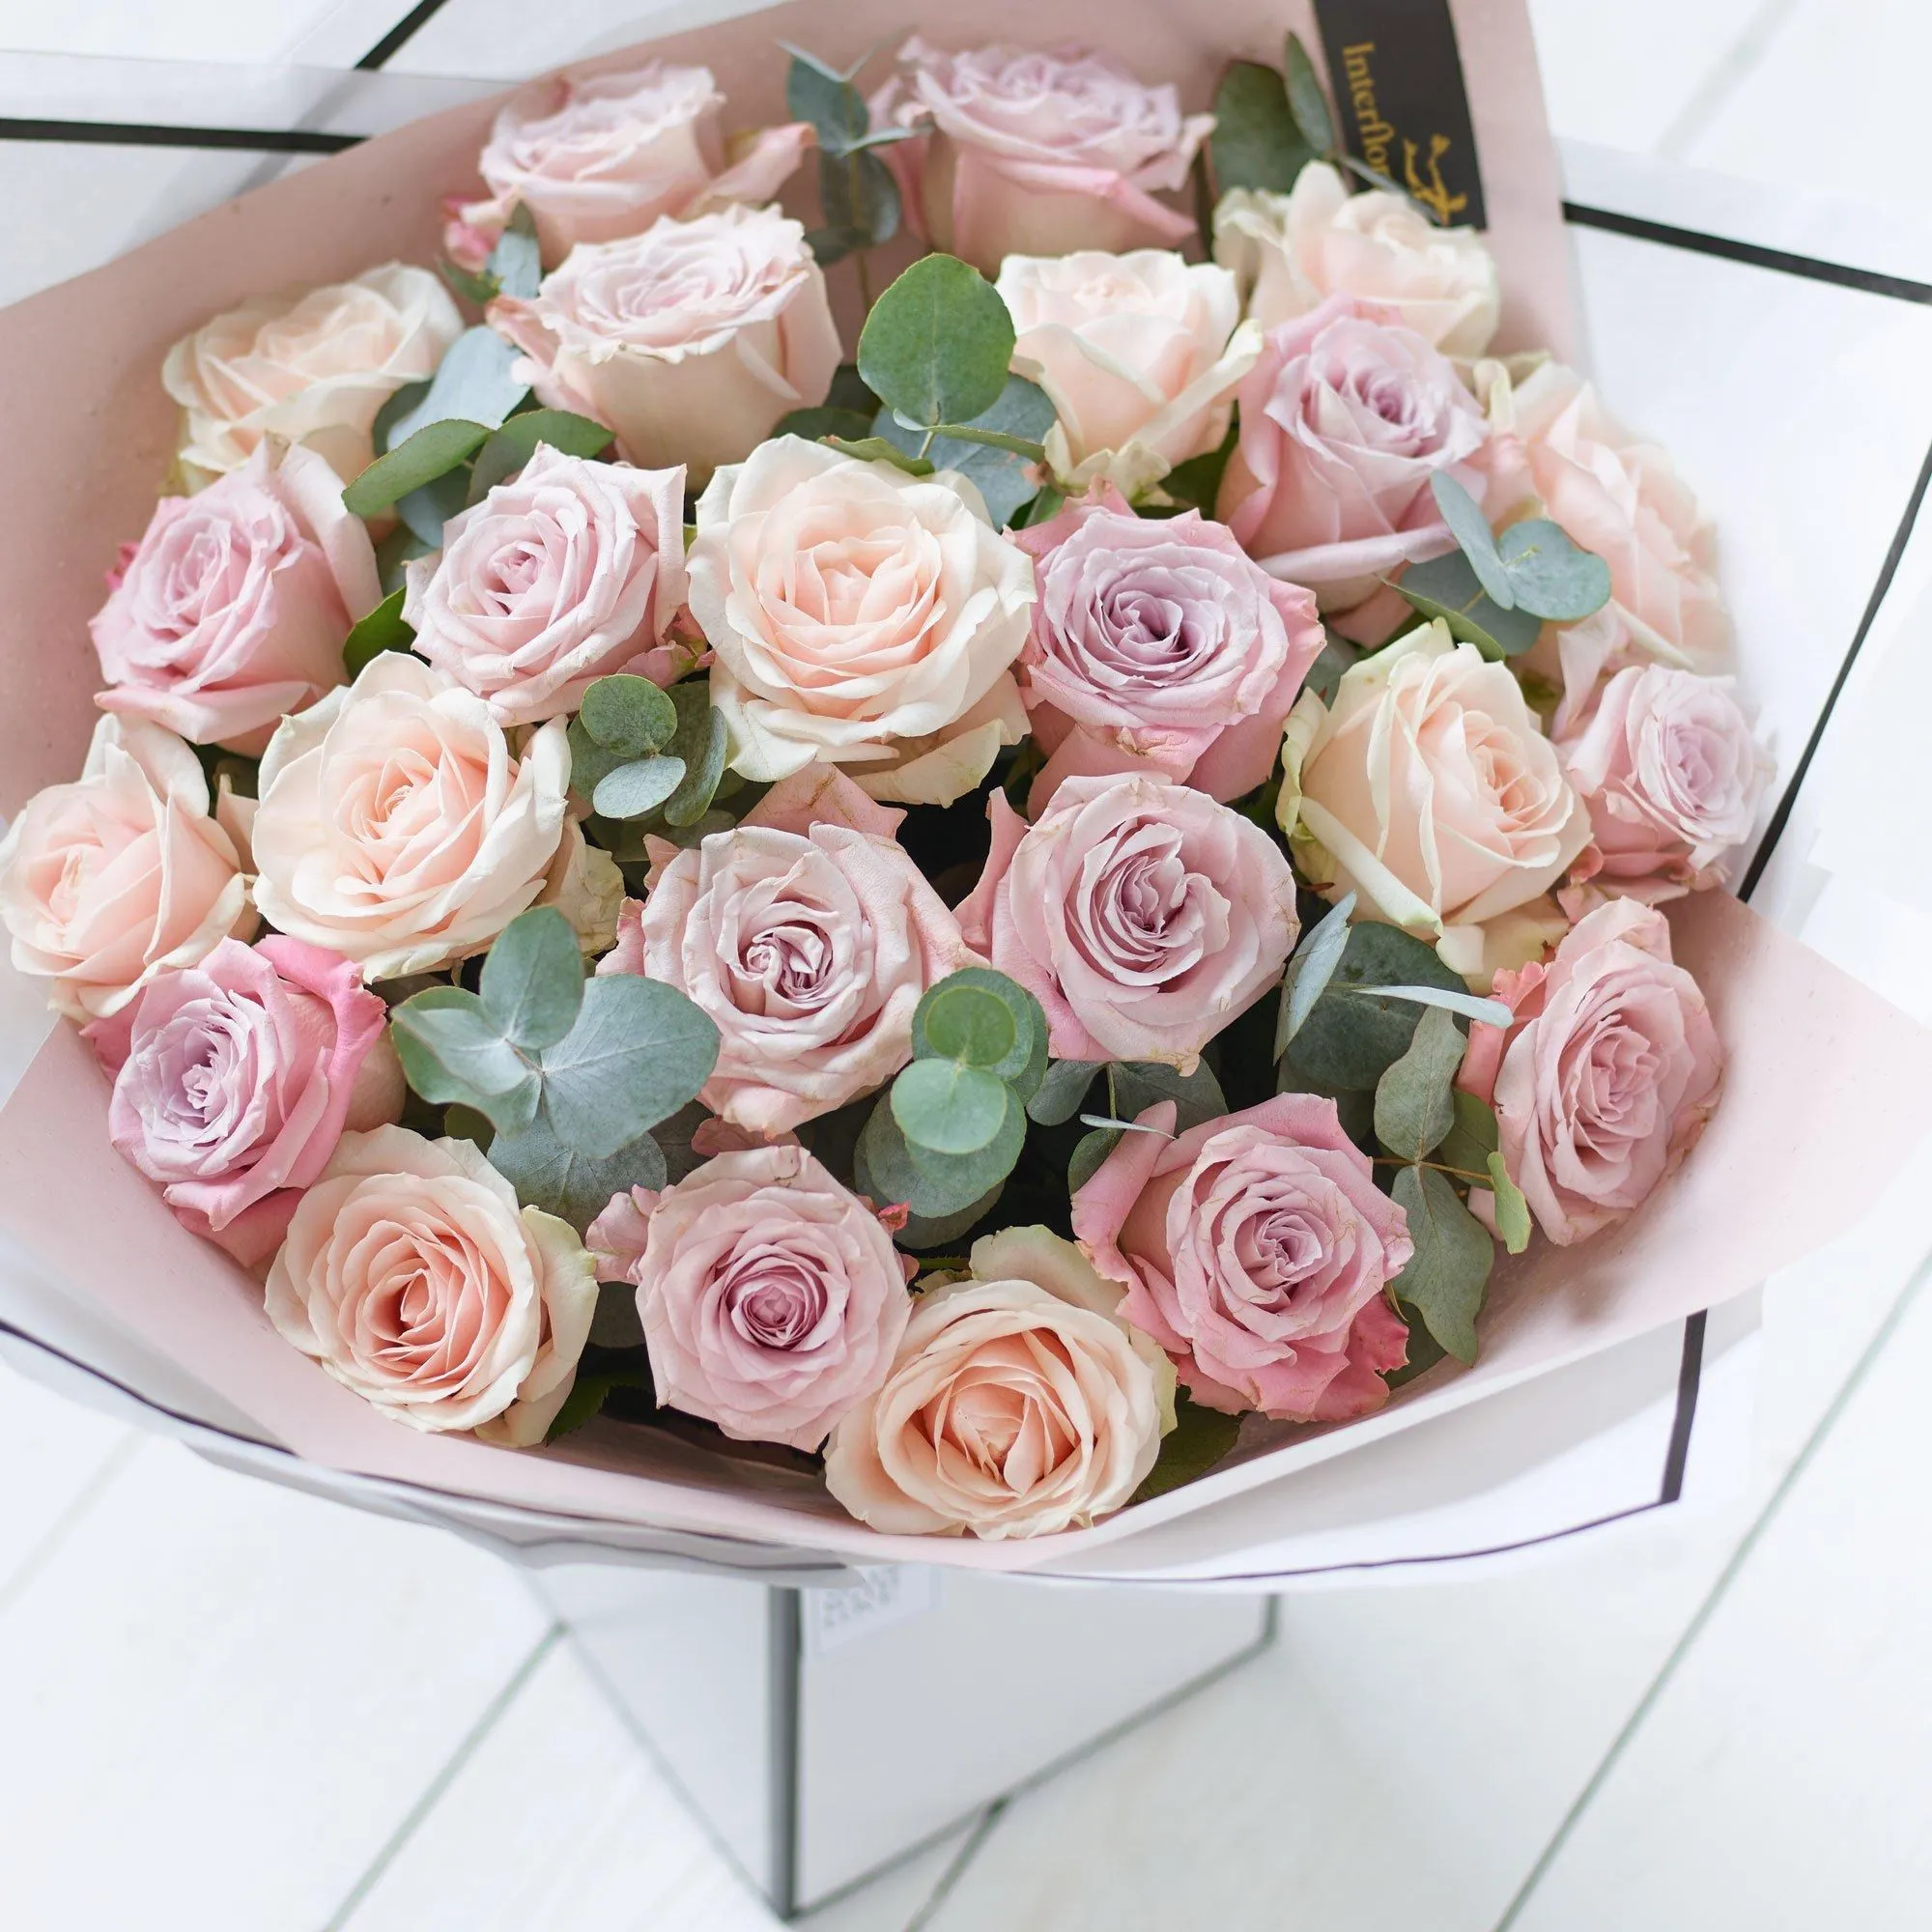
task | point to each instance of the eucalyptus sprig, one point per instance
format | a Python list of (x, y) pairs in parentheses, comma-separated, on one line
[(638, 752)]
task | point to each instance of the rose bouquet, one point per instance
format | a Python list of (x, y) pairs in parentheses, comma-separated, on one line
[(1004, 901)]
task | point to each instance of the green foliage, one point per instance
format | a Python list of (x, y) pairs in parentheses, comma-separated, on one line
[(600, 1374), (515, 266), (973, 1021), (856, 190), (1256, 143), (1307, 101), (996, 450), (513, 445), (1414, 1107), (647, 756), (1465, 1006), (1447, 587), (382, 630), (1534, 575), (532, 985), (931, 1184), (637, 789), (1472, 1136), (944, 1107), (1136, 1085), (637, 1052), (1061, 1091), (1310, 970), (699, 743), (1551, 577), (827, 423), (427, 454), (936, 346), (1200, 1438), (1195, 484), (1337, 659), (1512, 1210), (452, 1053), (549, 1172), (628, 714), (472, 383), (1449, 1272), (1089, 1151), (1472, 530), (1350, 1036)]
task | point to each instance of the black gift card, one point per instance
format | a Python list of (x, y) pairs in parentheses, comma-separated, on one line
[(1398, 85)]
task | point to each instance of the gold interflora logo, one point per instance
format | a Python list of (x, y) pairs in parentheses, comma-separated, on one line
[(1421, 175)]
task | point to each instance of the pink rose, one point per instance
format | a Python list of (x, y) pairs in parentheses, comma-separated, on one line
[(1291, 251), (1037, 154), (1020, 1403), (1142, 916), (1344, 420), (570, 572), (1158, 646), (112, 880), (1610, 1071), (597, 157), (234, 1080), (808, 936), (1255, 1250), (412, 1275), (690, 341), (232, 609), (772, 1297), (1672, 776)]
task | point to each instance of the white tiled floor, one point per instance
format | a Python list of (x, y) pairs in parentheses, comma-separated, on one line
[(227, 1708)]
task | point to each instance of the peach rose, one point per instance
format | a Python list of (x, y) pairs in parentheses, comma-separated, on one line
[(690, 341), (1020, 1403), (862, 617), (1430, 788), (1555, 452), (410, 1274), (1025, 153), (1140, 354), (1158, 648), (1610, 1073), (772, 1297), (1670, 771), (1255, 1250), (310, 367), (1142, 916), (235, 1079), (108, 881), (233, 609), (807, 937), (1291, 251), (396, 828), (1345, 418), (597, 157), (570, 572)]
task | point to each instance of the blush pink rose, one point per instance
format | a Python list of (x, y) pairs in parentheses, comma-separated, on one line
[(597, 157), (1672, 775), (570, 572), (1022, 152), (772, 1297), (232, 609), (1020, 1403), (412, 1276), (234, 1080), (109, 882), (689, 341), (1345, 418), (806, 936), (1608, 1075), (1143, 916), (1158, 648), (1255, 1250)]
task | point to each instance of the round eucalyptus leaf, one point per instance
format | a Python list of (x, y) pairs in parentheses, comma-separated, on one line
[(1550, 576), (533, 978), (637, 789), (946, 1108), (1022, 1011), (628, 714), (937, 343), (701, 742), (967, 1023)]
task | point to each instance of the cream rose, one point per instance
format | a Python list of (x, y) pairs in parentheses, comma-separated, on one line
[(1020, 1403), (807, 937), (690, 341), (310, 367), (1430, 788), (570, 572), (1291, 251), (410, 1274), (598, 157), (1141, 355), (861, 617), (121, 875), (396, 828)]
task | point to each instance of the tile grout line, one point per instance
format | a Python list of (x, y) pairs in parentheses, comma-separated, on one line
[(956, 1868), (90, 1492), (1714, 1597), (1733, 67), (491, 1715)]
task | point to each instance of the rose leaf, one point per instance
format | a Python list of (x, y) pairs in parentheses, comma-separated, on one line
[(1512, 1210), (629, 715), (944, 1107), (1449, 1272), (562, 1179), (1199, 1439), (937, 343), (1255, 143), (1311, 969), (1063, 1092), (533, 984), (637, 1053), (637, 789), (1550, 576), (382, 630), (1413, 1106), (452, 1053)]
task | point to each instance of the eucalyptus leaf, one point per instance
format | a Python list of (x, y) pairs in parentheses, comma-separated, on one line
[(513, 445), (549, 1172), (1004, 477), (1307, 100), (395, 552), (1310, 970), (817, 425), (637, 789), (1064, 1091), (428, 509), (700, 741), (1255, 143), (422, 458), (961, 1178), (1200, 1438), (637, 1053), (1550, 576), (827, 100), (1336, 660), (451, 1052), (516, 263), (959, 1019), (882, 449), (382, 630), (1447, 587), (628, 714), (1195, 484), (533, 985), (1414, 1107), (466, 1123), (1472, 530), (1512, 1210), (472, 383), (1467, 1006), (937, 343), (1089, 1151), (400, 405), (1114, 1124), (942, 1107), (1472, 1139), (830, 245), (1449, 1272), (1350, 1037), (934, 1186), (923, 1233), (590, 762), (1140, 1084), (859, 195)]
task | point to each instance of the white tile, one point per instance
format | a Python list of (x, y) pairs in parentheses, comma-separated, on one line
[(241, 31), (1781, 1781), (219, 1697), (54, 1457)]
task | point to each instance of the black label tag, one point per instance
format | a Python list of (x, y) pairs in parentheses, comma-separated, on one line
[(1398, 85)]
